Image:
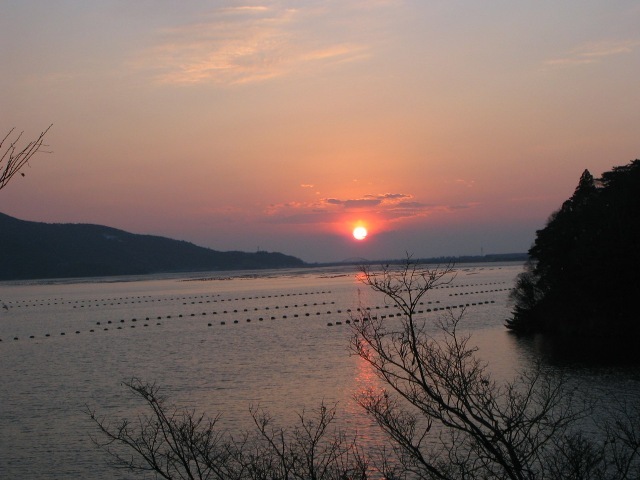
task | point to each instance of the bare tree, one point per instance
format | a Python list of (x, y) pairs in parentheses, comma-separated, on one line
[(308, 452), (173, 443), (445, 414), (13, 157), (176, 443)]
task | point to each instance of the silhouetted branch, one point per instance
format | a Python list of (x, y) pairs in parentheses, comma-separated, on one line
[(180, 444), (13, 158)]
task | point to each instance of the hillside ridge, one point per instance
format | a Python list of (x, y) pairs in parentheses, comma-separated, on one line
[(33, 250)]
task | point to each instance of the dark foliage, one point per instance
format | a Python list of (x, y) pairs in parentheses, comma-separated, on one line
[(581, 277), (41, 250)]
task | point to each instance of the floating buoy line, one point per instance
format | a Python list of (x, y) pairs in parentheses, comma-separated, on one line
[(255, 314)]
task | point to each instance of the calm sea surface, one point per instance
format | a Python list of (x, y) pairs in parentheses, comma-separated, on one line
[(219, 343)]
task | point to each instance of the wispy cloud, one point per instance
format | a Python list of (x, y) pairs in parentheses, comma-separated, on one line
[(594, 52), (386, 206), (252, 43)]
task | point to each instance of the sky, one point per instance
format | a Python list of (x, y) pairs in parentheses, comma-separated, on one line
[(442, 127)]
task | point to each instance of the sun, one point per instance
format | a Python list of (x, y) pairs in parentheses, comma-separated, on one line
[(360, 233)]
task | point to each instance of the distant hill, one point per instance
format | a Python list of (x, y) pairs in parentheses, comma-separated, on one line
[(30, 250)]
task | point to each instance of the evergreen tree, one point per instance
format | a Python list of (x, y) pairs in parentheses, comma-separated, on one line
[(580, 277)]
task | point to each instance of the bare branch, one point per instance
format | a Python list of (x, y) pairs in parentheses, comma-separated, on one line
[(13, 158), (175, 443)]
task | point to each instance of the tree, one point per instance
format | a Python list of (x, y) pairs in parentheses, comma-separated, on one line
[(447, 418), (13, 158), (580, 280), (176, 443)]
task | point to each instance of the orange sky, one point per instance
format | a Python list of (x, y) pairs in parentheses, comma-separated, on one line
[(447, 128)]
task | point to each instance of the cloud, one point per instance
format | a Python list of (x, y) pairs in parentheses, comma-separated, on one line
[(465, 183), (254, 43), (367, 201), (595, 52), (354, 203), (386, 206)]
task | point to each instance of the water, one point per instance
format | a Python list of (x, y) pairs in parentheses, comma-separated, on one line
[(65, 345)]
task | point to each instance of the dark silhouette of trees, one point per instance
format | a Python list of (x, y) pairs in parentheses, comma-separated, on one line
[(13, 157), (175, 443), (581, 276)]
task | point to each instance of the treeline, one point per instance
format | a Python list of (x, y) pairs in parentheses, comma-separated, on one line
[(582, 275)]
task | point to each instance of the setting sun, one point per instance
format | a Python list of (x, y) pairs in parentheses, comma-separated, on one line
[(359, 233)]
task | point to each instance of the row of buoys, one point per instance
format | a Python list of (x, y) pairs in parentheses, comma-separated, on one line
[(482, 291), (347, 322), (429, 310), (469, 285), (148, 299), (296, 315), (251, 276), (47, 335), (141, 298), (277, 306)]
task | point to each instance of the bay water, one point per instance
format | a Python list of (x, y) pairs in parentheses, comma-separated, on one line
[(220, 343)]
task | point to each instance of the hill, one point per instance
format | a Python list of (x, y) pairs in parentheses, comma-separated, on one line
[(30, 250)]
